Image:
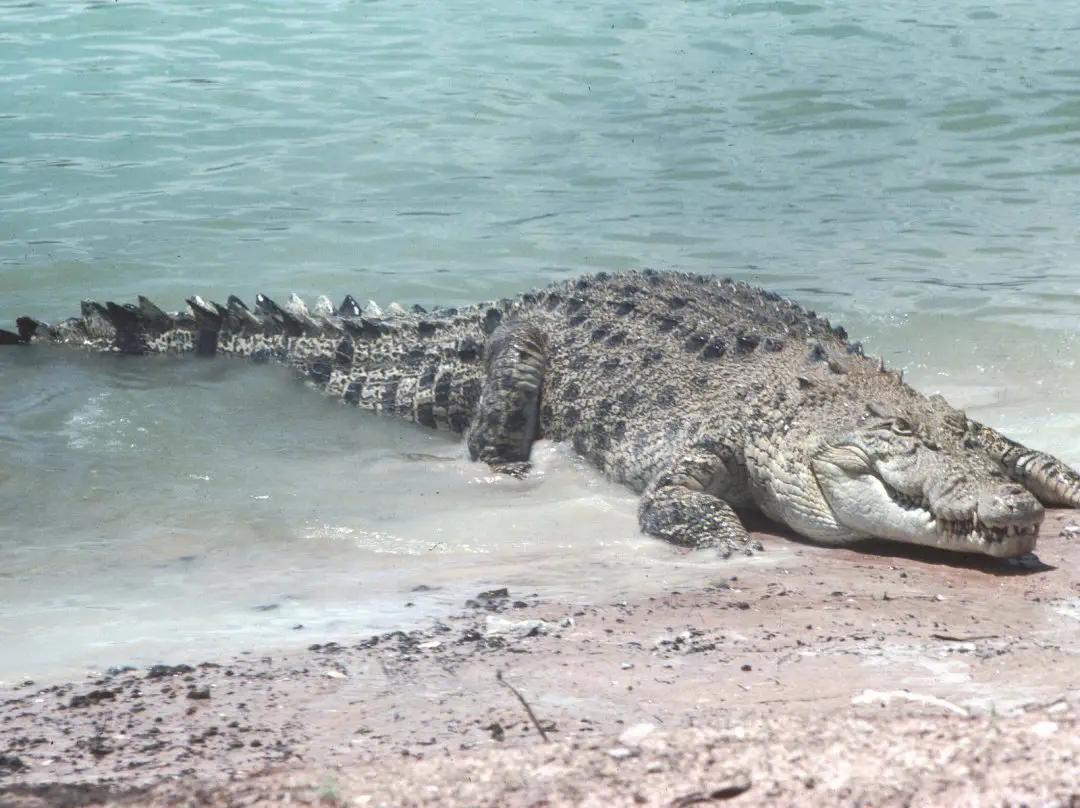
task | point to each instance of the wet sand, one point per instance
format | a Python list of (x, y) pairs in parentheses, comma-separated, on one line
[(881, 674)]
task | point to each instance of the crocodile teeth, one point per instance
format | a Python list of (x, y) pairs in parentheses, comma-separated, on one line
[(968, 529), (911, 503)]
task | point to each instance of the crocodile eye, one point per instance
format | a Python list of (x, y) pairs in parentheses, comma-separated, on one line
[(902, 427)]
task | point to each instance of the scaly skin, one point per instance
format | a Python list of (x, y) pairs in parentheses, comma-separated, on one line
[(705, 396)]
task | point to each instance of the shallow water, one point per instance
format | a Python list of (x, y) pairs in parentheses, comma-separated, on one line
[(912, 170)]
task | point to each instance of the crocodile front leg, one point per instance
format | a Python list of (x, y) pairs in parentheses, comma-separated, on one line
[(508, 414), (689, 504), (1051, 481)]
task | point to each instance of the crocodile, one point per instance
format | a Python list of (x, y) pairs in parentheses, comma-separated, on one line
[(711, 398)]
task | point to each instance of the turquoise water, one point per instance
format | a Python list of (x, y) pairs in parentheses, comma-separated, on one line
[(912, 169)]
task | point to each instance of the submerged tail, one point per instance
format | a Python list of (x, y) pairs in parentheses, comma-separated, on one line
[(420, 365)]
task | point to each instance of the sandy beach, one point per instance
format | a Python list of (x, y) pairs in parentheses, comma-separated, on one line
[(875, 675)]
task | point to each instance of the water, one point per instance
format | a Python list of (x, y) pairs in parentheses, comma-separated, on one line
[(911, 169)]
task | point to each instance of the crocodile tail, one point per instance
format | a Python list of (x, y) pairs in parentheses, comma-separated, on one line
[(112, 327), (26, 330), (423, 366), (437, 396), (206, 328)]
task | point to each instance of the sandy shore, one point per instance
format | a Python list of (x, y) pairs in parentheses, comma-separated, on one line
[(881, 675)]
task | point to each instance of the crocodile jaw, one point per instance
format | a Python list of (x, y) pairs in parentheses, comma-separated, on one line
[(865, 503)]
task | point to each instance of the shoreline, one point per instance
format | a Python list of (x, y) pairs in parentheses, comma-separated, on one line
[(836, 675)]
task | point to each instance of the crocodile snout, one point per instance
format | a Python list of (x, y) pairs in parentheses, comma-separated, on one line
[(1009, 505)]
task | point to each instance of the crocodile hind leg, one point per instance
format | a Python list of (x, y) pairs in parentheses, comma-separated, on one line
[(690, 505), (508, 414), (1051, 481)]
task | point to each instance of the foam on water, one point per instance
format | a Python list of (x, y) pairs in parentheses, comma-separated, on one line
[(908, 169)]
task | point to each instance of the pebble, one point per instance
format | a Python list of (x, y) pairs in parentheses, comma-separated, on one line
[(634, 735), (518, 628), (1044, 729)]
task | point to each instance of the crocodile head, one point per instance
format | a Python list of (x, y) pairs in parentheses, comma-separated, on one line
[(920, 479)]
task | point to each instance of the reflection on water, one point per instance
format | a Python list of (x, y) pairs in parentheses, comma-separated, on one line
[(911, 170)]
